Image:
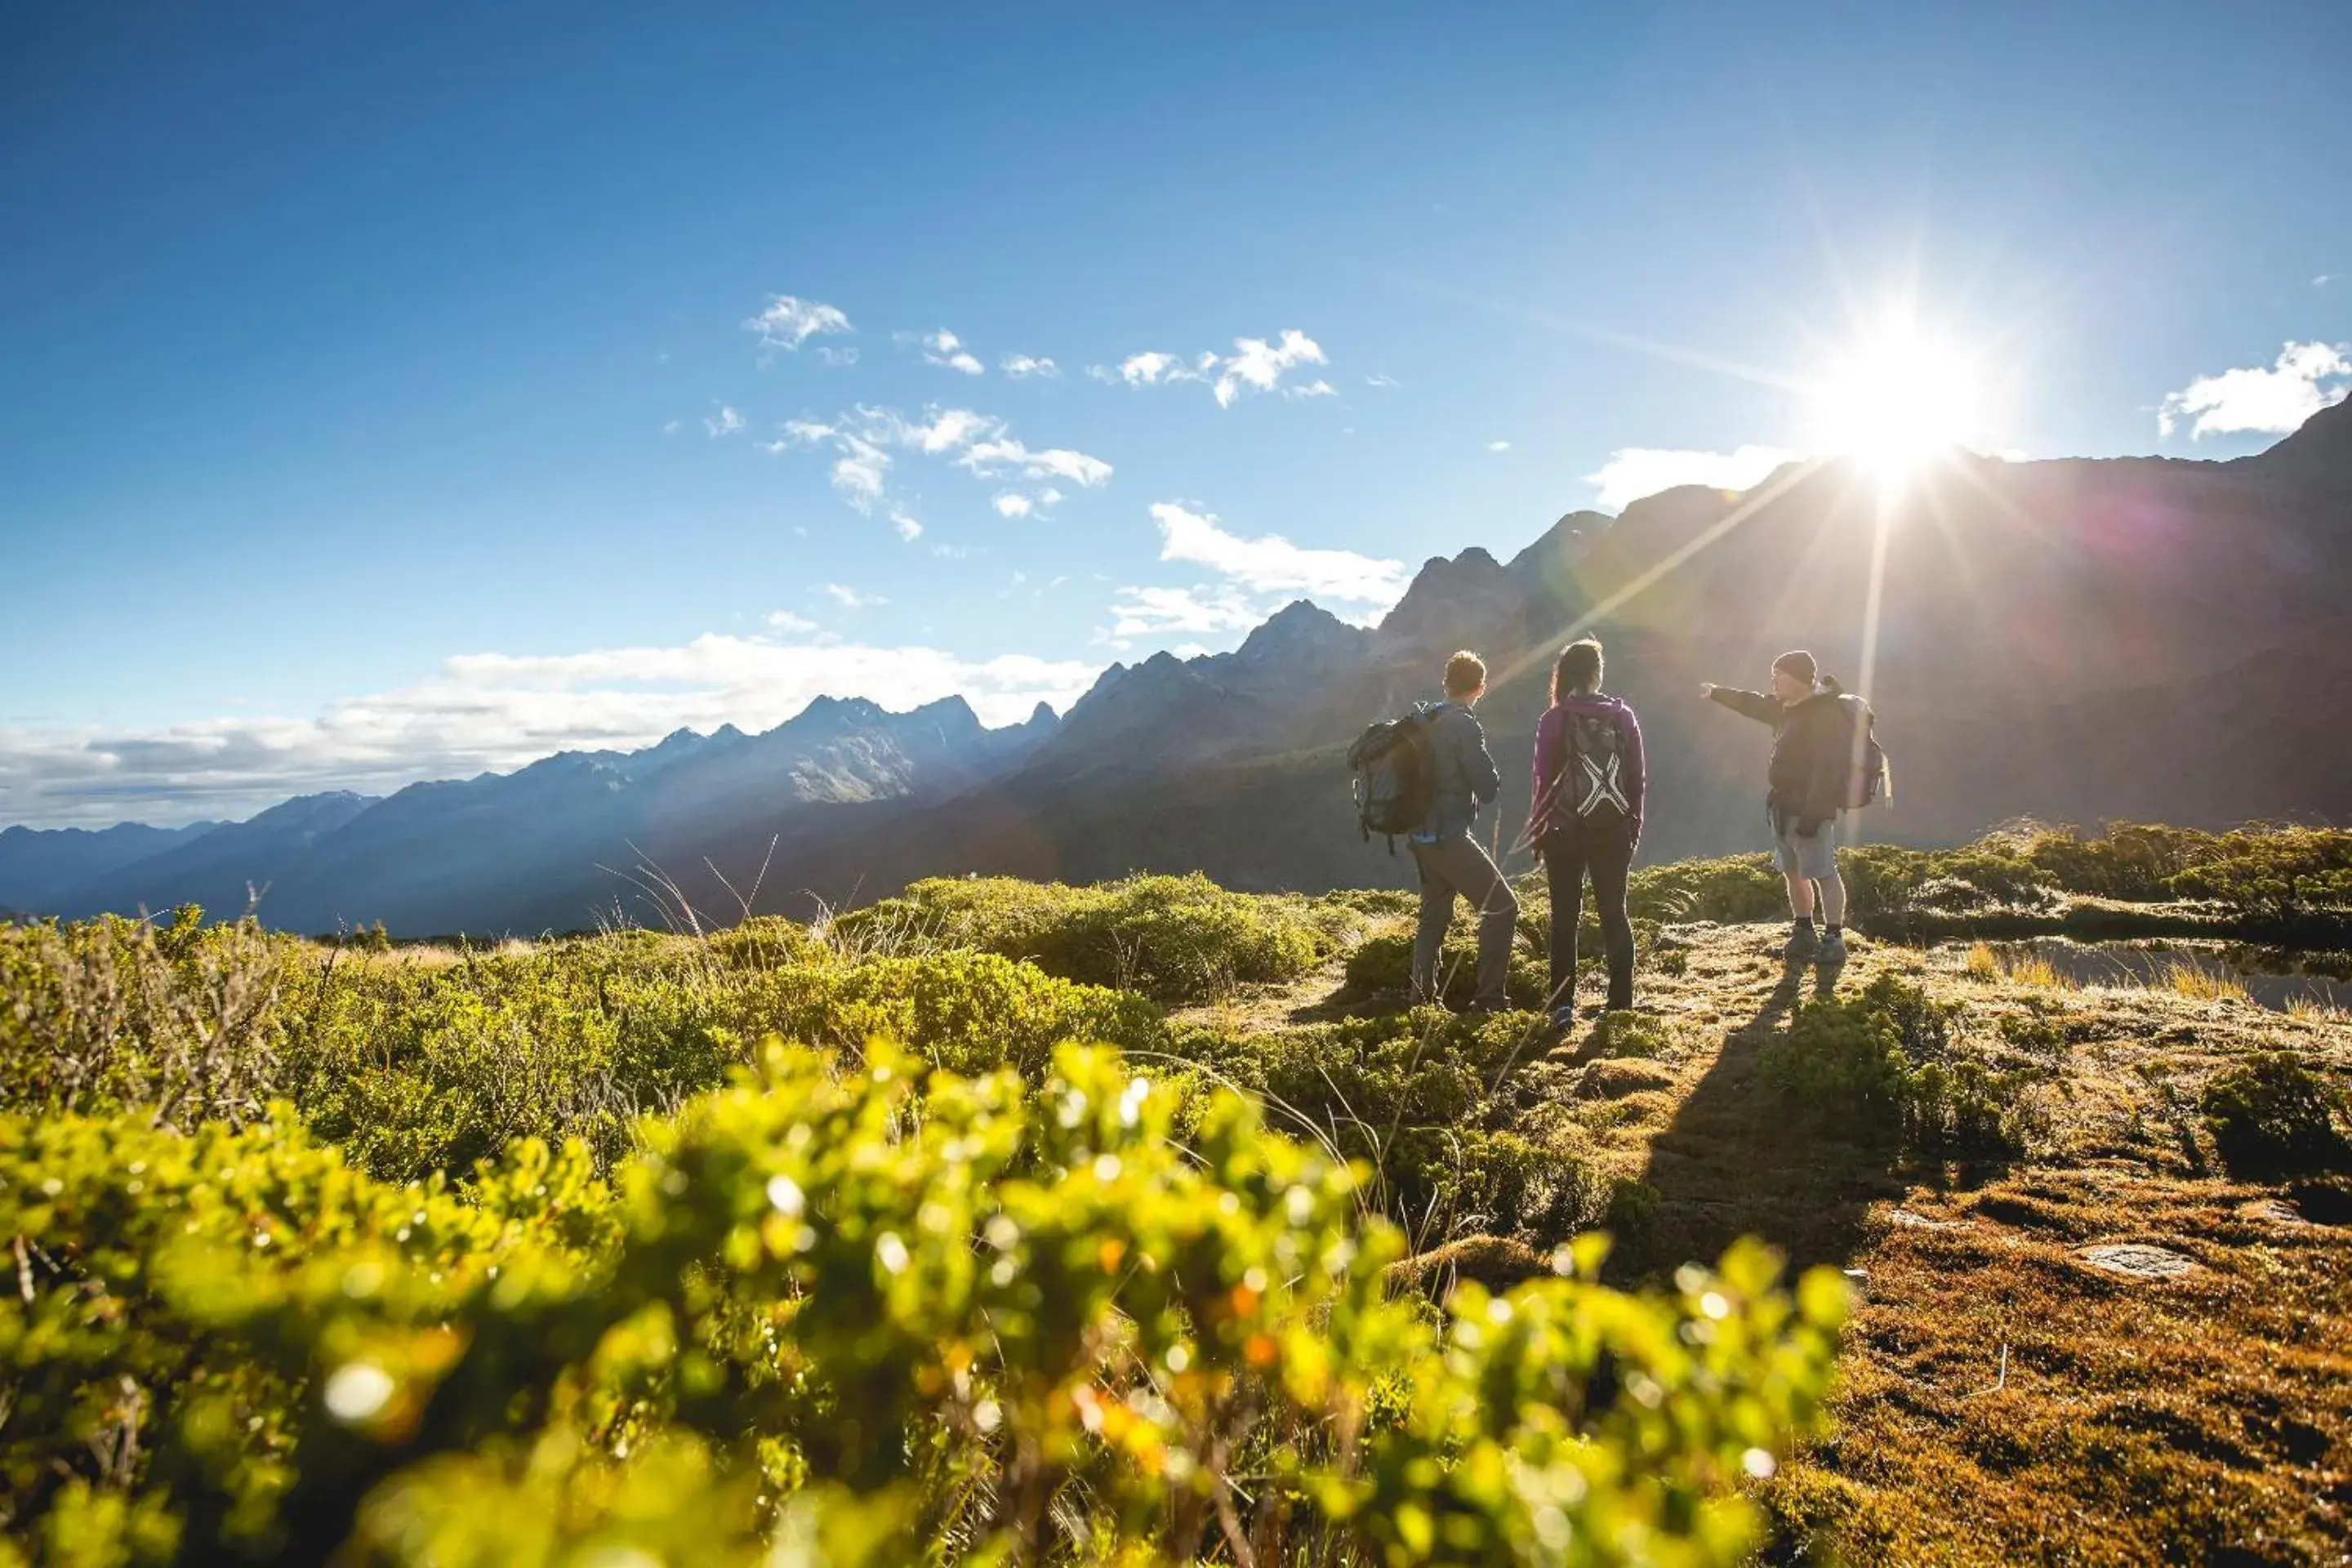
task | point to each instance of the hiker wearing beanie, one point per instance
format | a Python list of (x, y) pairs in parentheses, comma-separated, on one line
[(1585, 818), (1812, 740)]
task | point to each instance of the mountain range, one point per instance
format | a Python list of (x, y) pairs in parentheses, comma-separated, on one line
[(2073, 639)]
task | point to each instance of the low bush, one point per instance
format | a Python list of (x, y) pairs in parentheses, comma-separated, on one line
[(1886, 1068), (2272, 1115), (1174, 939), (416, 1065), (2274, 873), (837, 1314), (1414, 1094), (1731, 890), (1384, 964)]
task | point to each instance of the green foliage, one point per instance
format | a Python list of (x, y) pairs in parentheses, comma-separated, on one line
[(418, 1062), (1174, 939), (1731, 890), (2271, 1115), (1630, 1034), (2276, 873), (1885, 1067), (1415, 1096), (837, 1313), (1384, 964)]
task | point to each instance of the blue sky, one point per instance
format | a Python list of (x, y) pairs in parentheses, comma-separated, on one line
[(360, 365)]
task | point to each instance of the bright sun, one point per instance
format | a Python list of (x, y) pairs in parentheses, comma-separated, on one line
[(1897, 401)]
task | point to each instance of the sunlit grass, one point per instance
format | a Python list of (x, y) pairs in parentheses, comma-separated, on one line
[(2200, 983)]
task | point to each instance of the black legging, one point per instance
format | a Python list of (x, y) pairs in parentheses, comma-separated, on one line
[(1607, 853)]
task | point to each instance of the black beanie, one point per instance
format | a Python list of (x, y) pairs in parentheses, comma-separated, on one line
[(1798, 663)]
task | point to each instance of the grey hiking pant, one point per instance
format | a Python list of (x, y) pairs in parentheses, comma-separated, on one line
[(1457, 866)]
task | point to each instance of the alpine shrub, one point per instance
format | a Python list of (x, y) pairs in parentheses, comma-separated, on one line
[(855, 1315), (2272, 1115)]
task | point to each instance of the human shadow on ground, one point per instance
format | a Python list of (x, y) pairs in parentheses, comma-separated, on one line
[(1736, 1162)]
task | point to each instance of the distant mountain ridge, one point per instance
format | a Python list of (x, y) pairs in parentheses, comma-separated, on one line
[(498, 851), (2075, 640)]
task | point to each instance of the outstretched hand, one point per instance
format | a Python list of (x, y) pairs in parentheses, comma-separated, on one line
[(1707, 689)]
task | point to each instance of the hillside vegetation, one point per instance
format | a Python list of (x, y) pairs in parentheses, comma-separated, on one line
[(1146, 1223)]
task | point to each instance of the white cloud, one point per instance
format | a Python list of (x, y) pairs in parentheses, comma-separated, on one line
[(851, 599), (1633, 472), (836, 357), (1257, 364), (909, 529), (1381, 380), (1498, 446), (944, 348), (1272, 565), (1155, 612), (1013, 504), (2273, 401), (2324, 278), (786, 621), (1021, 366), (1002, 455), (670, 427), (1149, 368), (788, 321), (726, 424), (862, 439)]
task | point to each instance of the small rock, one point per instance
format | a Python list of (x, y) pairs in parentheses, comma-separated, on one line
[(2271, 1211), (1922, 1222), (2139, 1260), (1857, 1280)]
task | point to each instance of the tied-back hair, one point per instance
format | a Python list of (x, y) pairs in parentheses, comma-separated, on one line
[(1577, 669)]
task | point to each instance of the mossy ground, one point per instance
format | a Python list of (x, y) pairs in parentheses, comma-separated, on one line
[(2204, 1419)]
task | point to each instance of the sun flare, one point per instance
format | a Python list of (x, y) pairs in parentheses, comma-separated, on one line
[(1897, 401)]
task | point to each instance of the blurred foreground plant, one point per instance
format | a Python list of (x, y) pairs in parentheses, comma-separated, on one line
[(836, 1314)]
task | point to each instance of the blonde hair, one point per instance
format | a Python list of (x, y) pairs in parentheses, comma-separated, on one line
[(1465, 672)]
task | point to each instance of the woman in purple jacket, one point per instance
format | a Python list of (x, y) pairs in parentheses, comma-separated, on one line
[(1587, 819)]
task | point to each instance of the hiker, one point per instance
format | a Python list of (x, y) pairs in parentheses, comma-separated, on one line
[(1813, 754), (1584, 818), (1446, 851)]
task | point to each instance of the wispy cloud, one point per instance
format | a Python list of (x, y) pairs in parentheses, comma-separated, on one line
[(1498, 446), (1002, 455), (2274, 400), (1013, 504), (944, 348), (727, 422), (786, 621), (851, 599), (862, 439), (909, 528), (790, 321), (1273, 564), (1633, 472), (1255, 365), (1381, 380), (2324, 278), (1020, 367)]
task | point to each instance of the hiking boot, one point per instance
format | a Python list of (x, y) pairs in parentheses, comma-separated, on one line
[(1803, 944), (1832, 955)]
